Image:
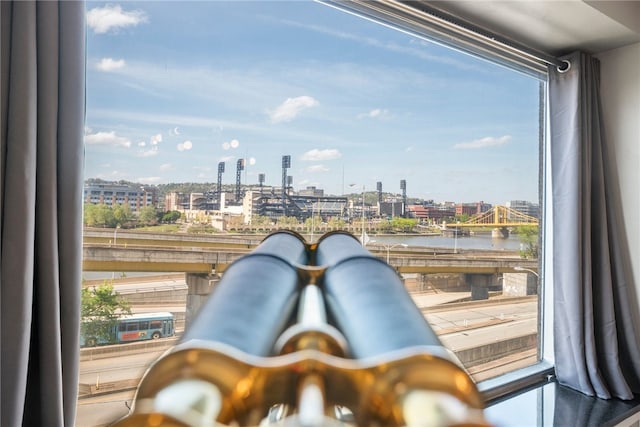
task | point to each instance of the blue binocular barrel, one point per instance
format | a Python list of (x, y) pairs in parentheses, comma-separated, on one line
[(250, 306), (368, 301)]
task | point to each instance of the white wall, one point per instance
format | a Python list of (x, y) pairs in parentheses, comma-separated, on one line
[(620, 92)]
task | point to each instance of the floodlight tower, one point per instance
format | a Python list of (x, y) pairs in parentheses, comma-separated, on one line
[(403, 187), (239, 169), (261, 182), (286, 164), (289, 184), (379, 188), (219, 188)]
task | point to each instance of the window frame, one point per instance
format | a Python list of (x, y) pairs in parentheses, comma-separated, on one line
[(409, 19)]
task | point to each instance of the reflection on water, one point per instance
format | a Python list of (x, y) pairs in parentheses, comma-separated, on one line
[(477, 241)]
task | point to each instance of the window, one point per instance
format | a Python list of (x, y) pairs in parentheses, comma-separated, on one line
[(429, 155)]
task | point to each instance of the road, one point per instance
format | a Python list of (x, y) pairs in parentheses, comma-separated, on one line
[(461, 326)]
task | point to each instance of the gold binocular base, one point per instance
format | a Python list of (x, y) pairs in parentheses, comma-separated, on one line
[(200, 383)]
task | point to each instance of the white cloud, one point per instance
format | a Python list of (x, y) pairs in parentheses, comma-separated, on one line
[(316, 155), (110, 64), (290, 108), (489, 141), (111, 17), (107, 138), (185, 146), (376, 113), (153, 151), (166, 167), (317, 168)]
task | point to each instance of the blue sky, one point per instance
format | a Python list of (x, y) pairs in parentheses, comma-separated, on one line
[(173, 88)]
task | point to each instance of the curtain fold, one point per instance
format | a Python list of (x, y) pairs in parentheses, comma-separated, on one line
[(596, 351), (43, 60)]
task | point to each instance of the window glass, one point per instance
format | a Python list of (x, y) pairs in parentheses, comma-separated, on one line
[(227, 119), (155, 324)]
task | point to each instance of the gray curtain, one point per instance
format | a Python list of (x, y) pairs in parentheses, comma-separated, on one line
[(596, 351), (43, 57)]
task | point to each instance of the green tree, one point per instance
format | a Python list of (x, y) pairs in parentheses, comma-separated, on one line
[(260, 220), (89, 215), (99, 311), (171, 216), (99, 215), (287, 221), (462, 217), (337, 223), (122, 214), (148, 215), (403, 224), (314, 222), (528, 236)]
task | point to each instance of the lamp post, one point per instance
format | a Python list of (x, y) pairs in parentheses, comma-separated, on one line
[(518, 268), (363, 233), (389, 247), (115, 241), (455, 238), (115, 235)]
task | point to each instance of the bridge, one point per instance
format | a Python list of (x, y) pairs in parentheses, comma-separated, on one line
[(202, 259), (499, 218), (170, 252)]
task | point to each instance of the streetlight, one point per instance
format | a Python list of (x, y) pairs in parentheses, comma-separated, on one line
[(363, 233), (115, 241), (389, 247), (455, 238), (115, 235), (518, 268)]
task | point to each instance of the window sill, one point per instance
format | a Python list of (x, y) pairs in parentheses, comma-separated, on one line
[(550, 404)]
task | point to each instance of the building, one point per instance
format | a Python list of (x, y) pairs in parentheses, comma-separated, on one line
[(112, 194), (472, 209), (527, 208)]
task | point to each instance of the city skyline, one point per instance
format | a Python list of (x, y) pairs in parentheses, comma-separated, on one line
[(172, 92)]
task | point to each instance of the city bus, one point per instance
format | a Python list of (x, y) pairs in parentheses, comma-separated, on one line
[(135, 327)]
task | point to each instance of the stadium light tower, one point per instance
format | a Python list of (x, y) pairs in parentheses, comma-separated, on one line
[(286, 164), (219, 187)]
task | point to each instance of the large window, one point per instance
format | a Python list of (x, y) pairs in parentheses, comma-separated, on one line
[(231, 119)]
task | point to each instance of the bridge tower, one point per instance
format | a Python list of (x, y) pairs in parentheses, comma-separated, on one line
[(379, 188)]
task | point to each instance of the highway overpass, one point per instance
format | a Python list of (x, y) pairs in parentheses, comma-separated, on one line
[(130, 251)]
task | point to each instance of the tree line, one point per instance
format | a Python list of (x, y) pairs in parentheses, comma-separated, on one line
[(101, 215)]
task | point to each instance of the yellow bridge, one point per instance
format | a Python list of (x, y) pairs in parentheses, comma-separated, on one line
[(499, 216)]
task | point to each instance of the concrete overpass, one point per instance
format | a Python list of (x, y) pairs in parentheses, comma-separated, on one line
[(172, 252), (203, 258)]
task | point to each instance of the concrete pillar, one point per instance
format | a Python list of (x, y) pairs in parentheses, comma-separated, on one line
[(479, 284), (500, 233), (199, 287), (519, 284)]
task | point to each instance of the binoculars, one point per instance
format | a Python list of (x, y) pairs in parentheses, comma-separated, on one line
[(299, 334)]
